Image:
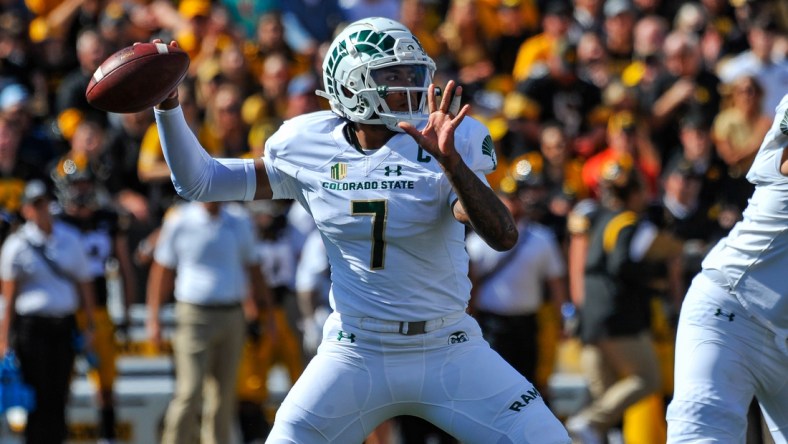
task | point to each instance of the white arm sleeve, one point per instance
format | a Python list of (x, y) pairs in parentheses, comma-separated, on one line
[(195, 174)]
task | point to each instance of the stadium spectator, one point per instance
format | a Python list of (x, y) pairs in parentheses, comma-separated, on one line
[(15, 172), (685, 87), (684, 213), (269, 40), (301, 98), (226, 133), (274, 78), (739, 128), (697, 148), (587, 17), (512, 30), (15, 59), (761, 60), (561, 95), (234, 68), (248, 15), (562, 172), (465, 55), (91, 51), (308, 23), (17, 106), (122, 147), (646, 64), (619, 23), (593, 61), (629, 146), (536, 50), (420, 17)]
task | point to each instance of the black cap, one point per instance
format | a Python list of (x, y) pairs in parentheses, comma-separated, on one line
[(694, 120), (681, 166), (558, 7), (765, 21)]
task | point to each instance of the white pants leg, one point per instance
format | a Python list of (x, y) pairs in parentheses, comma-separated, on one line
[(723, 358), (449, 377)]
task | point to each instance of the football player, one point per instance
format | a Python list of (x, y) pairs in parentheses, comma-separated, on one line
[(732, 338), (103, 234), (392, 174)]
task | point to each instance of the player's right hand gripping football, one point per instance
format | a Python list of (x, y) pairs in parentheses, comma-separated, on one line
[(437, 138)]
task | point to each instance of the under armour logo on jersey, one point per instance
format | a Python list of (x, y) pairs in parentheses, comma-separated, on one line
[(720, 312), (349, 336), (525, 399), (458, 337), (397, 171)]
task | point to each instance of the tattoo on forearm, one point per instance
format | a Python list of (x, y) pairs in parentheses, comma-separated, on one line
[(482, 209)]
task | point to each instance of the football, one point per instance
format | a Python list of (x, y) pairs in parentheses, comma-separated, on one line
[(137, 77)]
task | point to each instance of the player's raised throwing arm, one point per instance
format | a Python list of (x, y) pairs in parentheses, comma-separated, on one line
[(198, 176), (478, 205)]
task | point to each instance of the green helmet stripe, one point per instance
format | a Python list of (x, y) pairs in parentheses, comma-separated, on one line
[(366, 45), (366, 42)]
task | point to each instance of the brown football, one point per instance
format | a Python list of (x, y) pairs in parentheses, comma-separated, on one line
[(137, 77)]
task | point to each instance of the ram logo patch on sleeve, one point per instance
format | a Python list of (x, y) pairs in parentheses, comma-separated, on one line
[(488, 149), (784, 124)]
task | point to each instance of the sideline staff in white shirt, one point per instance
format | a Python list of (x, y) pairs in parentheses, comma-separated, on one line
[(207, 250), (45, 278)]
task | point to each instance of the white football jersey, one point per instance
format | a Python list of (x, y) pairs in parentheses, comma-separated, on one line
[(754, 256), (395, 249)]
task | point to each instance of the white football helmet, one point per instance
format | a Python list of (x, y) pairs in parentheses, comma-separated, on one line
[(377, 72)]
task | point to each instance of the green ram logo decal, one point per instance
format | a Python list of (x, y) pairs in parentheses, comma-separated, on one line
[(488, 149)]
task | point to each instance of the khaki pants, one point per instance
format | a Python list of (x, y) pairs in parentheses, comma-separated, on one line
[(207, 347), (620, 372)]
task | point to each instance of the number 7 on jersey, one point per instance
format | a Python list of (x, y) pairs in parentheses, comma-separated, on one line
[(378, 209)]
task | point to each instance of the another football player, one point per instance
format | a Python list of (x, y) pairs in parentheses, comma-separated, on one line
[(102, 233)]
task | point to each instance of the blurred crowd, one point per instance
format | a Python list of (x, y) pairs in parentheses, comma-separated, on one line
[(572, 91)]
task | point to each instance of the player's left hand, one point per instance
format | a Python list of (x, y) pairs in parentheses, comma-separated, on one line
[(437, 137)]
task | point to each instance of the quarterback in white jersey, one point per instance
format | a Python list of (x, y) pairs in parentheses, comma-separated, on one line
[(391, 175), (732, 341)]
